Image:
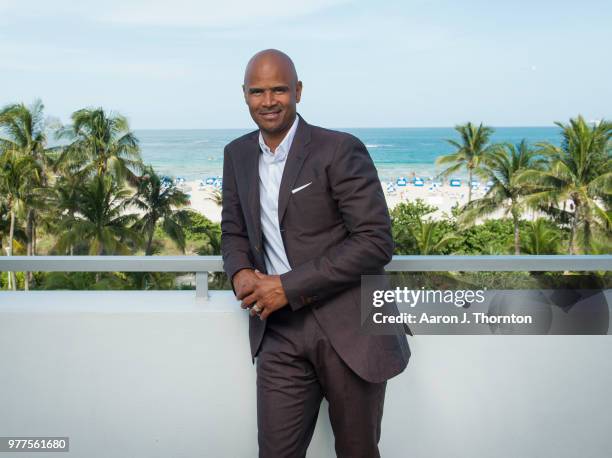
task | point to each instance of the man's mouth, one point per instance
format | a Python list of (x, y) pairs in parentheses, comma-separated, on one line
[(271, 115)]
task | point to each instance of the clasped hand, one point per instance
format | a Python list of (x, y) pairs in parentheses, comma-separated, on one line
[(261, 294)]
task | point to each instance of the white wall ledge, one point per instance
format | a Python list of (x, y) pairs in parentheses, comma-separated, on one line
[(157, 374), (122, 301)]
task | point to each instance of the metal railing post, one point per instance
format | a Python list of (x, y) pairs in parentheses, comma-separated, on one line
[(201, 285)]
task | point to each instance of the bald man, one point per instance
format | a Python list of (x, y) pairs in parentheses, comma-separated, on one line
[(304, 216)]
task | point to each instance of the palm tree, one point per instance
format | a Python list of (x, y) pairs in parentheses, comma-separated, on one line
[(470, 152), (4, 221), (24, 133), (541, 238), (212, 243), (580, 173), (101, 219), (502, 166), (17, 173), (151, 280), (63, 202), (101, 143), (158, 201), (212, 247), (85, 281), (429, 239), (216, 196)]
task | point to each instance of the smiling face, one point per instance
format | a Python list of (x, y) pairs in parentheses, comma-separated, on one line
[(271, 91)]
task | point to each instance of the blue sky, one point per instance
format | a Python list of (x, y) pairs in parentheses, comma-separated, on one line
[(179, 64)]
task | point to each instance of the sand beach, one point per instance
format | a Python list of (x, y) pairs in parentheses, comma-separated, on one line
[(441, 196)]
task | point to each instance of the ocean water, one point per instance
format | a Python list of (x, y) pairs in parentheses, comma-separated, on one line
[(197, 154)]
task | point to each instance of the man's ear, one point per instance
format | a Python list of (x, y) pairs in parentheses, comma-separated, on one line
[(298, 92), (244, 93)]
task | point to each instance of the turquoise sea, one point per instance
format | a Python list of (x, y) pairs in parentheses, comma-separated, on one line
[(197, 154)]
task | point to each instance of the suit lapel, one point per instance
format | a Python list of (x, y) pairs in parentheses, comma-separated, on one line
[(251, 160), (297, 154)]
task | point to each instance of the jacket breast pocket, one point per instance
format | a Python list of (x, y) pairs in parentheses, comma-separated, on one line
[(311, 203), (305, 191)]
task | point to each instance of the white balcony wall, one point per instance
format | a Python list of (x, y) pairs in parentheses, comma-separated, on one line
[(156, 374)]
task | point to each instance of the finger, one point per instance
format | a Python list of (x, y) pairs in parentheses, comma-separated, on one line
[(253, 311), (244, 290), (244, 305), (249, 301), (265, 314)]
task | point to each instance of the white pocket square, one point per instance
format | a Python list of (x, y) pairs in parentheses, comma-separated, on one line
[(293, 191)]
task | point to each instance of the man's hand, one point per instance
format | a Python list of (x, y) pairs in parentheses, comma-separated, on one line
[(267, 297), (244, 282)]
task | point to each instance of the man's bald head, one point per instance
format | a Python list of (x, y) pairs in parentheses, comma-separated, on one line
[(271, 58), (272, 90)]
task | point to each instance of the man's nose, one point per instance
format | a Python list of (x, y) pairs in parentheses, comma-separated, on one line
[(268, 98)]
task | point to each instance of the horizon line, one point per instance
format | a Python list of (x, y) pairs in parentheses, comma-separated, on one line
[(345, 127)]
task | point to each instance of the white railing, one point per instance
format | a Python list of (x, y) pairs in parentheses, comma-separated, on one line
[(158, 373), (202, 265)]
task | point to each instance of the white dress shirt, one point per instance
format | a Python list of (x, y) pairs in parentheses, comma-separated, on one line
[(271, 166)]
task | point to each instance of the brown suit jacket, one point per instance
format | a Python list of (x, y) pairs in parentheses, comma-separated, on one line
[(334, 230)]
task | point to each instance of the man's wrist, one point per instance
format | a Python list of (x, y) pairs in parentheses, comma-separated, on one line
[(235, 277), (242, 270)]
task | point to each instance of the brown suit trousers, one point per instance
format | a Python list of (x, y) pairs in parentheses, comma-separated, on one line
[(296, 367)]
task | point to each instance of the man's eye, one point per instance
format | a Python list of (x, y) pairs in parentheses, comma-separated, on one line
[(280, 90)]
